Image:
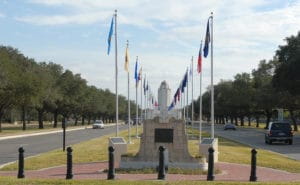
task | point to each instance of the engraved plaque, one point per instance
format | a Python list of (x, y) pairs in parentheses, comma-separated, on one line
[(163, 135)]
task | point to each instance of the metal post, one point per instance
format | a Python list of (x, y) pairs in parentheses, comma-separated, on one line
[(210, 171), (69, 163), (111, 165), (192, 118), (116, 71), (21, 163), (253, 165), (212, 82), (161, 165), (64, 133)]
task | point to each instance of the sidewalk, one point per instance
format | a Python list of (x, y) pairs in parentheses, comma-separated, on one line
[(230, 172)]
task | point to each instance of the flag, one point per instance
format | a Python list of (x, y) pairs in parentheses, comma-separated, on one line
[(178, 95), (126, 59), (171, 106), (199, 66), (184, 81), (111, 30), (136, 73), (207, 40)]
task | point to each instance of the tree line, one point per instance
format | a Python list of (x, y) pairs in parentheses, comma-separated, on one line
[(45, 87), (274, 84)]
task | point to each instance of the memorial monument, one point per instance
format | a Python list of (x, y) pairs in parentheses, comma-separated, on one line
[(164, 130)]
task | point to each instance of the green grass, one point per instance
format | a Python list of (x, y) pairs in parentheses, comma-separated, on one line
[(14, 181)]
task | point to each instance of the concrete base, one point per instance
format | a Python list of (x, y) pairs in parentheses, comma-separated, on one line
[(206, 143), (120, 147)]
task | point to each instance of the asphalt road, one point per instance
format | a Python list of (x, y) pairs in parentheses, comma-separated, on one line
[(255, 139), (35, 145)]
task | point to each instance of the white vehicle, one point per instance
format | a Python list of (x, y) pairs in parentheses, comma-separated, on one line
[(98, 124)]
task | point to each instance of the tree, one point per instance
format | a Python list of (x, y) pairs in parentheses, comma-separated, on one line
[(287, 77)]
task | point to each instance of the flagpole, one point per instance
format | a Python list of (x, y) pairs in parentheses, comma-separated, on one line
[(187, 98), (141, 97), (200, 102), (212, 82), (137, 105), (116, 73), (128, 90), (192, 91)]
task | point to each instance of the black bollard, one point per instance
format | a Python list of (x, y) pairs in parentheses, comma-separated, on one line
[(69, 163), (161, 165), (21, 163), (111, 165), (210, 171), (253, 177)]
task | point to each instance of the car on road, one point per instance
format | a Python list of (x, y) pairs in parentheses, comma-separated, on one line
[(131, 122), (279, 131), (98, 124), (229, 126)]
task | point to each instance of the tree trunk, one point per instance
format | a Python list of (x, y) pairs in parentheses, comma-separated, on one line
[(293, 120), (23, 117), (82, 120), (1, 122), (242, 120), (76, 121), (40, 118), (231, 119), (236, 120), (223, 120), (269, 115), (55, 118), (257, 121), (249, 121), (89, 120)]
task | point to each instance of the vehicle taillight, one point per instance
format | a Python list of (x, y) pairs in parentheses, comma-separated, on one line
[(269, 133)]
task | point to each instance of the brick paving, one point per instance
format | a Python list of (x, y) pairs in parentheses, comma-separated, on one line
[(229, 172)]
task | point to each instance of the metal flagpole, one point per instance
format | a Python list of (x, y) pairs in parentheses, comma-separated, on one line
[(141, 97), (200, 102), (212, 82), (116, 71), (137, 105), (192, 92), (129, 119), (187, 98)]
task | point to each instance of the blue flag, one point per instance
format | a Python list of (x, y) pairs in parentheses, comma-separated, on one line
[(184, 81), (207, 40), (111, 31), (136, 76), (171, 106)]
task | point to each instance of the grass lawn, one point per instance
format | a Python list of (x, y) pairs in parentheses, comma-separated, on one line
[(96, 150), (14, 181)]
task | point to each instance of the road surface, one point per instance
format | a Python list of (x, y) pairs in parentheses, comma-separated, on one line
[(35, 145)]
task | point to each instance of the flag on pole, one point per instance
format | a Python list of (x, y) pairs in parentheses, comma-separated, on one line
[(111, 30), (126, 59), (207, 40), (136, 77), (184, 81), (199, 66)]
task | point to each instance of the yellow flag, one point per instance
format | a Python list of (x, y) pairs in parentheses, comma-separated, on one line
[(126, 60)]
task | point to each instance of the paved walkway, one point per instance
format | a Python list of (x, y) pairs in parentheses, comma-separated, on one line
[(230, 172)]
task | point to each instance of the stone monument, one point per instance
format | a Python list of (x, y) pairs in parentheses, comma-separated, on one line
[(166, 131)]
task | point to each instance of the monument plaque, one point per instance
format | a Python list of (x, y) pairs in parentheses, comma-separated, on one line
[(163, 135)]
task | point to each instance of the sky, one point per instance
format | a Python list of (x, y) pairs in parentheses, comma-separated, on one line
[(165, 35)]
